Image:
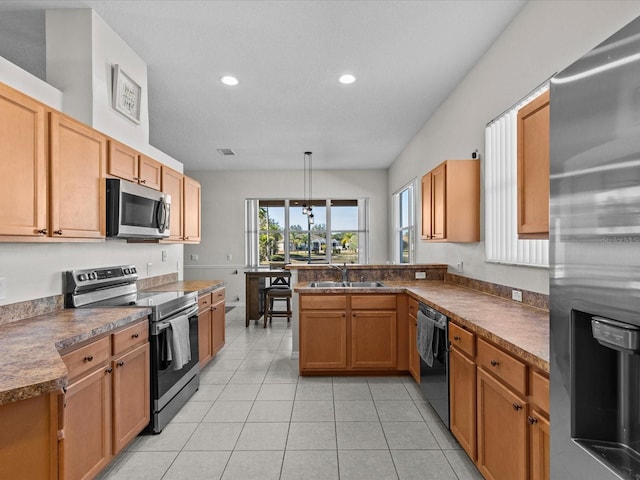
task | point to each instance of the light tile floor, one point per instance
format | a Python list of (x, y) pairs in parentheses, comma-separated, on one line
[(255, 418)]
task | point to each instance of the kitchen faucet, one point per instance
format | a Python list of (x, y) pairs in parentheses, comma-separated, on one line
[(343, 270)]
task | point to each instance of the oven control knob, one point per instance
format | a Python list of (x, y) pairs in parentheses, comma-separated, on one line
[(126, 271), (133, 270), (82, 277), (92, 276)]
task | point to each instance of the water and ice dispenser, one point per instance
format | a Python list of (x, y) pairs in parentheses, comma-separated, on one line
[(605, 400)]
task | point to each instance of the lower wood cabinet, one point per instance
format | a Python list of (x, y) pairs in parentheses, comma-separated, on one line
[(29, 437), (539, 445), (502, 430), (107, 402), (348, 332), (462, 400), (414, 357), (211, 325)]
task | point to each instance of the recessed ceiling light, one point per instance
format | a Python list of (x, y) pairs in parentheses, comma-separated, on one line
[(347, 79), (229, 80)]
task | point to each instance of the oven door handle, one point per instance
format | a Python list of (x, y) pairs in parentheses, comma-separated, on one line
[(163, 325)]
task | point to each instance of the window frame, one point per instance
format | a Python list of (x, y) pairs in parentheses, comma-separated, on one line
[(410, 227)]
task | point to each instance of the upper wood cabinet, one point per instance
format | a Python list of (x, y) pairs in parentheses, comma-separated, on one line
[(451, 202), (78, 158), (191, 210), (127, 163), (172, 184), (23, 165), (185, 206), (533, 168)]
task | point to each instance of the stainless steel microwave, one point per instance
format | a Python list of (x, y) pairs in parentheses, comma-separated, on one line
[(134, 211)]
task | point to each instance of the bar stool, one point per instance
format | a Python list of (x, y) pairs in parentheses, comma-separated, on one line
[(275, 294)]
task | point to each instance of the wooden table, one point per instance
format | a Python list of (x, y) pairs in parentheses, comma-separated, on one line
[(254, 283)]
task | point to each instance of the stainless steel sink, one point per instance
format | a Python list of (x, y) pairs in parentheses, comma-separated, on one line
[(346, 284)]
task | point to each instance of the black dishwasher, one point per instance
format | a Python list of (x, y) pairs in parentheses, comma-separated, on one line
[(434, 378)]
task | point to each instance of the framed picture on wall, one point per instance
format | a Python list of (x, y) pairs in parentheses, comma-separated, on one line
[(126, 95)]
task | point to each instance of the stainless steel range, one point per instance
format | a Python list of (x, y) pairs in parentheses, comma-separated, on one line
[(171, 387)]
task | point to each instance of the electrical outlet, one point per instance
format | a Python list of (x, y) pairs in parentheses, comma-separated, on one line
[(164, 255), (194, 257), (229, 257), (459, 266), (421, 275), (3, 288), (149, 269), (516, 295)]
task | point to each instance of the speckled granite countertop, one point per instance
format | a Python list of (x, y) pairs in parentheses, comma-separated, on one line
[(519, 329), (202, 286), (31, 363)]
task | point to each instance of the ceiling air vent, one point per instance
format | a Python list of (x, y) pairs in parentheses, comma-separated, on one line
[(226, 152)]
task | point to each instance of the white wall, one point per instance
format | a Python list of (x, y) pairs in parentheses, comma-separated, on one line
[(543, 39), (223, 215), (34, 270), (81, 52)]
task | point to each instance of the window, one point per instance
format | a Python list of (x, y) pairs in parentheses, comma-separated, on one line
[(404, 224), (500, 186), (278, 231)]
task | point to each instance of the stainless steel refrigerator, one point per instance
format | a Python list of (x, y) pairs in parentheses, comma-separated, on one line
[(595, 263)]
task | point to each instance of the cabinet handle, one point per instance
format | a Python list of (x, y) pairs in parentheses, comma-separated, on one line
[(516, 406), (42, 231), (185, 238), (120, 364), (136, 178), (64, 389), (88, 358), (135, 335), (143, 181), (204, 303), (213, 309), (58, 232), (456, 338), (108, 370), (495, 363), (532, 420)]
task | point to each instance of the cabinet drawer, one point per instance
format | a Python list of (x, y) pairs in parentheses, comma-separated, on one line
[(217, 295), (539, 390), (502, 365), (137, 334), (462, 339), (323, 302), (88, 357), (373, 302), (204, 301), (413, 307)]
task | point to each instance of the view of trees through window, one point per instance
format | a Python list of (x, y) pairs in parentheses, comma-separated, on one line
[(335, 223)]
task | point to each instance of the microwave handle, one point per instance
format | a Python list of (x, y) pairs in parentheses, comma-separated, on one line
[(162, 214)]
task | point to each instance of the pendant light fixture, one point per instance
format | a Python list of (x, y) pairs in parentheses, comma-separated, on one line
[(307, 208)]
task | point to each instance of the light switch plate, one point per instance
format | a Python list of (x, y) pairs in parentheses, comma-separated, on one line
[(421, 275), (516, 295)]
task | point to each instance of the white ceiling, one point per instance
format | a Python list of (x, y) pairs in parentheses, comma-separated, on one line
[(407, 56)]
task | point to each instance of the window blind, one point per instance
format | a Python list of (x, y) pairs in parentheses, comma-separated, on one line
[(501, 191)]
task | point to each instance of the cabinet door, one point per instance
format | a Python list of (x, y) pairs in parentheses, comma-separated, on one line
[(323, 340), (462, 400), (28, 438), (373, 339), (427, 212), (191, 210), (78, 155), (173, 185), (414, 357), (123, 161), (502, 430), (87, 426), (205, 346), (23, 165), (533, 168), (217, 327), (539, 452), (131, 396), (439, 206), (149, 172)]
